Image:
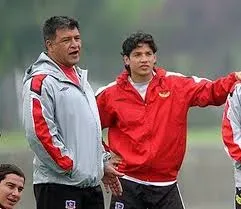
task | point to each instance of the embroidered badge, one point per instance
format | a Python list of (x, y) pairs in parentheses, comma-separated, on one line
[(70, 204), (164, 94), (119, 205)]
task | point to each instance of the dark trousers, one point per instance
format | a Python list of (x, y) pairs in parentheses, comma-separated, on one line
[(57, 196), (139, 196), (238, 198)]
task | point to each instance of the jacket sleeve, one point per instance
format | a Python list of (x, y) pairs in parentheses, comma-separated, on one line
[(107, 115), (40, 125), (202, 92), (231, 124)]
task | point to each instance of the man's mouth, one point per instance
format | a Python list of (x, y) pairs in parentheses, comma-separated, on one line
[(74, 52), (12, 201), (144, 66)]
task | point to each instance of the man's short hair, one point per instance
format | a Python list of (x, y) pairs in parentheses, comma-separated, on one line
[(6, 169), (133, 41), (58, 22)]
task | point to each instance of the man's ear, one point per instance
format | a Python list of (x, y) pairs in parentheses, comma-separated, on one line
[(48, 45), (155, 59), (126, 60)]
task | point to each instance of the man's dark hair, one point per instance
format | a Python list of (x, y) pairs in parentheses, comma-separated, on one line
[(58, 22), (6, 169), (133, 41)]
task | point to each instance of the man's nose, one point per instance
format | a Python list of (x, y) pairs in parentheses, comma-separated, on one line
[(144, 58), (76, 43), (16, 192)]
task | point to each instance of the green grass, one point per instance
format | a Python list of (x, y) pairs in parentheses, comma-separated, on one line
[(195, 136), (13, 140), (205, 136)]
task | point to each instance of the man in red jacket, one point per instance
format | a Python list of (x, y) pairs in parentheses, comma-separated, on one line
[(146, 110)]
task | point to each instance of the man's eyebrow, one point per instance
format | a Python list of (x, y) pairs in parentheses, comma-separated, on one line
[(64, 37), (12, 184), (9, 182), (22, 188)]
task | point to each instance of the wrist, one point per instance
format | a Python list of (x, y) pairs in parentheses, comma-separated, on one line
[(106, 157)]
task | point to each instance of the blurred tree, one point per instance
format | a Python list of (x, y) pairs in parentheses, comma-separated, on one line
[(194, 37), (110, 24)]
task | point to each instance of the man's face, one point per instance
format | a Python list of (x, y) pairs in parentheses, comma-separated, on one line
[(11, 189), (65, 48), (141, 62)]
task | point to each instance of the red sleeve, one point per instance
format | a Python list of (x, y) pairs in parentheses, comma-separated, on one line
[(36, 83), (203, 92), (105, 110), (43, 133), (41, 124)]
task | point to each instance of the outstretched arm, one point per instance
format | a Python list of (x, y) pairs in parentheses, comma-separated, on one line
[(202, 92)]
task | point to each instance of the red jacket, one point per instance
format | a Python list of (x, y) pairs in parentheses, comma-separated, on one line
[(150, 135)]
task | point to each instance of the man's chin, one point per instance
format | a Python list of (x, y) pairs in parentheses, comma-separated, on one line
[(75, 61), (9, 205), (146, 71)]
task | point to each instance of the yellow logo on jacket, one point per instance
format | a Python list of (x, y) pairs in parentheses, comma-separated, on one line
[(238, 199), (164, 94)]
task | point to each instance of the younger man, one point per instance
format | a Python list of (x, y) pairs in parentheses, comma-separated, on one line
[(146, 111), (12, 181)]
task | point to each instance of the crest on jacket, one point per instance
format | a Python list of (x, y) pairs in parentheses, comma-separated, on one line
[(70, 204), (119, 205), (164, 94)]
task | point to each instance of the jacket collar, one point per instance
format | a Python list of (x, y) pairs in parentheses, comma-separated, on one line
[(122, 79)]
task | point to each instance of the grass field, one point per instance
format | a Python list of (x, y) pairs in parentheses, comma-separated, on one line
[(13, 140), (205, 136), (195, 136)]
